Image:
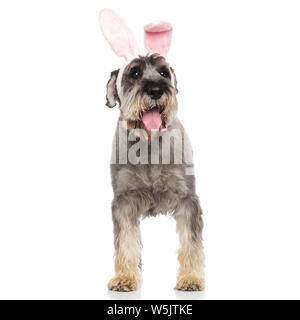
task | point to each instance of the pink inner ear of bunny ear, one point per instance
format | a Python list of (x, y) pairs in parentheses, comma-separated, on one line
[(158, 37), (117, 34)]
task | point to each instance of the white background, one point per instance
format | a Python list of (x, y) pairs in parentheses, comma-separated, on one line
[(238, 71)]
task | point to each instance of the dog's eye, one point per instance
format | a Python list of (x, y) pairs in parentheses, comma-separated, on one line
[(164, 73), (135, 73)]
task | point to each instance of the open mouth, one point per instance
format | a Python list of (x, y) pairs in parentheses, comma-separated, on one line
[(152, 120)]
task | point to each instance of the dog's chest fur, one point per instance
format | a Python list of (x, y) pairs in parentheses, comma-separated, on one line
[(160, 185)]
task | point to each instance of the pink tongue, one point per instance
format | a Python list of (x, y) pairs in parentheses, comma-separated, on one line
[(152, 120)]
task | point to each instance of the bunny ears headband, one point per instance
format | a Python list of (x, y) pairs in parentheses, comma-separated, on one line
[(122, 41)]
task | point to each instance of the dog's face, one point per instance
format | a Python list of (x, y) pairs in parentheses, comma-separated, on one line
[(146, 92)]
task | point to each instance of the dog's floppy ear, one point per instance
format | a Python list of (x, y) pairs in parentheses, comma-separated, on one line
[(175, 80), (117, 34), (158, 37), (111, 90)]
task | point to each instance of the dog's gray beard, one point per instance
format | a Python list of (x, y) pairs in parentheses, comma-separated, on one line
[(136, 105)]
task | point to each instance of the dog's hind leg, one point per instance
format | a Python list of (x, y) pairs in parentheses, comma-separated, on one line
[(189, 226), (126, 219)]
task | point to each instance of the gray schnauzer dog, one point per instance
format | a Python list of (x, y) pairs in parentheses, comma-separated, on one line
[(151, 171)]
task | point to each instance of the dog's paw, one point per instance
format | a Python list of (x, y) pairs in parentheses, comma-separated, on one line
[(190, 282), (123, 283)]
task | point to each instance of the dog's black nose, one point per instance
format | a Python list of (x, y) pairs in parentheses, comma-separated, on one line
[(154, 92)]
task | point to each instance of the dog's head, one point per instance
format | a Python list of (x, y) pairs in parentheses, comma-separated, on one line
[(145, 87), (146, 91)]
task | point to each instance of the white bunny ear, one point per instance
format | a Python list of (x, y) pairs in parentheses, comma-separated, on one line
[(117, 34), (158, 37)]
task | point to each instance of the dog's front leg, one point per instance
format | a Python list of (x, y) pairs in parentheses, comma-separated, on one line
[(128, 245), (190, 255)]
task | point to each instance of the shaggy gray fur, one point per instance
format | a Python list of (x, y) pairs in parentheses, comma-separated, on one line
[(151, 189)]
